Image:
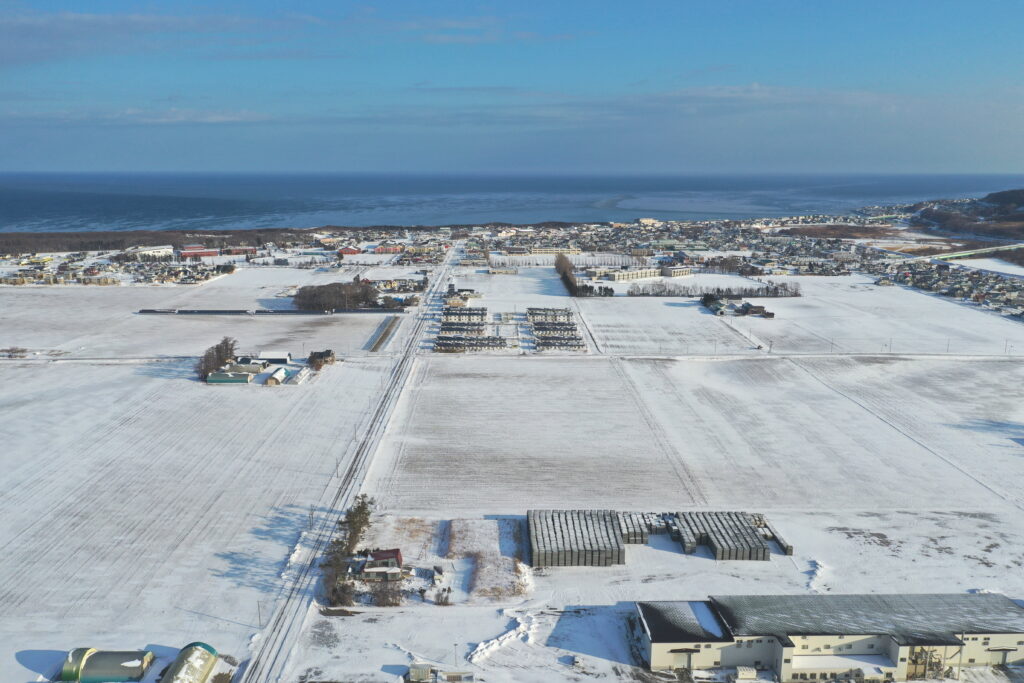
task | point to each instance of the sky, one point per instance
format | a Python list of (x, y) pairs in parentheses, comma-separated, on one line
[(576, 86)]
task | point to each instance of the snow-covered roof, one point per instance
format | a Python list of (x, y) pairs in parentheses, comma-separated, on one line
[(909, 618), (680, 621)]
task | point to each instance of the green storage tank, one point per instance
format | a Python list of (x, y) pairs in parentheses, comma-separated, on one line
[(194, 664), (89, 665)]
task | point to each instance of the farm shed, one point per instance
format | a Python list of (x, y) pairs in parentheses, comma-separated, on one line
[(228, 378), (89, 665), (194, 664), (276, 357), (278, 376)]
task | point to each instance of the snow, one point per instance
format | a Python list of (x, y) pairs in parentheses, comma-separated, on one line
[(143, 508), (705, 618), (994, 264)]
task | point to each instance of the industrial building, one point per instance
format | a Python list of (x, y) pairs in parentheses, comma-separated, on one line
[(676, 271), (637, 274), (834, 637), (569, 251)]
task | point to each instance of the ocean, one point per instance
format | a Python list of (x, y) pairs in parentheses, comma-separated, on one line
[(91, 202)]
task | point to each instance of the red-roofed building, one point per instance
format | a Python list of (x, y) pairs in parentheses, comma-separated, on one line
[(385, 558), (383, 565)]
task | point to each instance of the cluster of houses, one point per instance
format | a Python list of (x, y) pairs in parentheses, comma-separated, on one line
[(1001, 293), (143, 265), (679, 248), (273, 364)]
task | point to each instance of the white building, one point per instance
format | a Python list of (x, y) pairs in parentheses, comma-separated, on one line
[(835, 637)]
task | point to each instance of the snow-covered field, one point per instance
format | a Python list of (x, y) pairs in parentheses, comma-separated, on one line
[(102, 322), (852, 315), (142, 508), (994, 264), (484, 435)]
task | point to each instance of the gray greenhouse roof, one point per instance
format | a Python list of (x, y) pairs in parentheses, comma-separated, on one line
[(909, 618), (679, 621)]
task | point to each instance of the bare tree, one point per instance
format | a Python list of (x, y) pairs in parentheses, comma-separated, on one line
[(387, 593)]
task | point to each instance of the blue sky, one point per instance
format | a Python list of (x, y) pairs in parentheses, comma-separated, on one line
[(576, 86)]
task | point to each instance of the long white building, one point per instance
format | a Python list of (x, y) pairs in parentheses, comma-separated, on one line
[(835, 637)]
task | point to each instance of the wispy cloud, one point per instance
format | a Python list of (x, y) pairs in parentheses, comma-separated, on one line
[(139, 117), (461, 30), (28, 37)]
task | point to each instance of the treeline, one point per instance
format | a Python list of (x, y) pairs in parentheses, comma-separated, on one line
[(341, 296), (1002, 222), (771, 289), (565, 271), (216, 357), (338, 586)]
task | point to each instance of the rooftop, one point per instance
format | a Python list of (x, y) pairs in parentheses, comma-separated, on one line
[(909, 618), (681, 621)]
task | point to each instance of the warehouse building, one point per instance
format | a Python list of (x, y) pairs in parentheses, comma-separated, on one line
[(638, 274), (676, 271), (835, 637)]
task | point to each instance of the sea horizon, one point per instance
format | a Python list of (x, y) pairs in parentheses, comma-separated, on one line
[(159, 200)]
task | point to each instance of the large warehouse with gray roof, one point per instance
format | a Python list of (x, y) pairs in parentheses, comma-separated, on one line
[(835, 637)]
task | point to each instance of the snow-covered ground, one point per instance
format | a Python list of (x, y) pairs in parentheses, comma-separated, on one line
[(90, 322), (995, 264), (144, 509)]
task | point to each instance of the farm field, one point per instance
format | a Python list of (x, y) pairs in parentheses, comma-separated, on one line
[(484, 435), (101, 322), (144, 508), (852, 315)]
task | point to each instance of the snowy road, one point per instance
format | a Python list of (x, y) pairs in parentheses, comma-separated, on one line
[(276, 643)]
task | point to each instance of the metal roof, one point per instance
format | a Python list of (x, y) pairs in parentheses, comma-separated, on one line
[(909, 618), (679, 621)]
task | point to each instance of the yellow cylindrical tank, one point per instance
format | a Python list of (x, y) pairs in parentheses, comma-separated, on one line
[(194, 664)]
